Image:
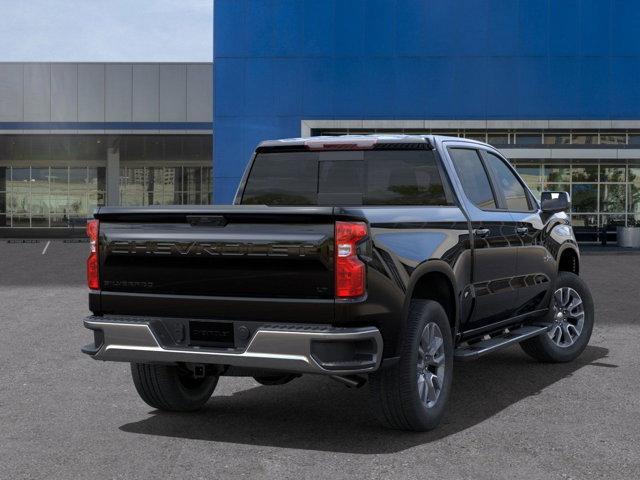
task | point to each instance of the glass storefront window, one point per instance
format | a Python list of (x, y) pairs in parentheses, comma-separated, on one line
[(634, 198), (633, 220), (584, 197), (556, 173), (612, 198), (612, 220), (165, 185), (57, 180), (589, 221), (584, 173), (531, 174), (584, 138), (528, 138), (614, 173), (613, 138), (45, 196), (480, 136), (557, 138), (498, 138)]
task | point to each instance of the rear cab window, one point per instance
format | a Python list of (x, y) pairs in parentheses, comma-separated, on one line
[(369, 177)]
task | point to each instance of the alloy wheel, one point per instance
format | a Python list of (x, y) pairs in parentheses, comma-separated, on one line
[(568, 317), (431, 365)]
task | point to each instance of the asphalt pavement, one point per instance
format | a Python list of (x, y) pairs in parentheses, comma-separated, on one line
[(65, 416)]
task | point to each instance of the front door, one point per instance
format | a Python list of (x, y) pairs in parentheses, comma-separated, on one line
[(536, 267)]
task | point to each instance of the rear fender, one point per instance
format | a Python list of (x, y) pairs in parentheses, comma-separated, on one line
[(430, 266)]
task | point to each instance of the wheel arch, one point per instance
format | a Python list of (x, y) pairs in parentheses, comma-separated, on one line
[(435, 280), (569, 259)]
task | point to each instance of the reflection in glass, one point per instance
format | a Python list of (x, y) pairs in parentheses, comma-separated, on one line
[(557, 138), (59, 220), (78, 179), (584, 138), (584, 197), (612, 198), (480, 136), (614, 173), (40, 181), (584, 173), (634, 198), (39, 204), (613, 138), (612, 220), (77, 204), (556, 173), (39, 220), (498, 138), (590, 221), (20, 179), (20, 221), (528, 138)]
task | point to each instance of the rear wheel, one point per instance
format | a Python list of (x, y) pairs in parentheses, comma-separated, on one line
[(571, 317), (412, 395), (172, 388)]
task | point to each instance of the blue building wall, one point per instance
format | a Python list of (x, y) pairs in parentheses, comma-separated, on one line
[(277, 62)]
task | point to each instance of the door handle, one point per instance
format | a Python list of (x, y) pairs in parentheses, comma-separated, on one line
[(522, 230), (481, 232)]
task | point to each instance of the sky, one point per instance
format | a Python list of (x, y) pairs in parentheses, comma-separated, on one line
[(106, 30)]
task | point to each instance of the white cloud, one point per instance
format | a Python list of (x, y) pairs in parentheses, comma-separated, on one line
[(106, 30)]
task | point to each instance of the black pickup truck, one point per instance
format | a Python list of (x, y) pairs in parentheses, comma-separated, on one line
[(378, 259)]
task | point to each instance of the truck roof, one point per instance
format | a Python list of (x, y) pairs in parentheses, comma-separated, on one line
[(362, 141)]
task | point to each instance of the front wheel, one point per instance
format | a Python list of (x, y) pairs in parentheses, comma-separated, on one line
[(172, 388), (571, 318), (412, 394)]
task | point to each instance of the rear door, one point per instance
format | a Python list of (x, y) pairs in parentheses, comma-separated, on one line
[(494, 239), (535, 266)]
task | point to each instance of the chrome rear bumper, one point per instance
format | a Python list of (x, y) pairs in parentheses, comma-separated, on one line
[(292, 348)]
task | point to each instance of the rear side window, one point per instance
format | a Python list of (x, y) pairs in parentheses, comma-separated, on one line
[(390, 177), (513, 191), (473, 177)]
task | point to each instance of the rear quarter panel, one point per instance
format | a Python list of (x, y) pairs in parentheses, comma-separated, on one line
[(406, 243)]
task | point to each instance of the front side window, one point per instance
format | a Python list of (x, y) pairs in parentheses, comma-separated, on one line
[(473, 177), (514, 192)]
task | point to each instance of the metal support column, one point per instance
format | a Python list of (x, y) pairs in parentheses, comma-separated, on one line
[(113, 176)]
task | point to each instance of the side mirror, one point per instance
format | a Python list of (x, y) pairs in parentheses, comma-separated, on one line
[(553, 202)]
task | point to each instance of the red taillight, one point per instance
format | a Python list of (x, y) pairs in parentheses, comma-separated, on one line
[(350, 271), (93, 277)]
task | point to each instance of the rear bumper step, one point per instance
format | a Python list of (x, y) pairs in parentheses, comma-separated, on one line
[(292, 348), (475, 350)]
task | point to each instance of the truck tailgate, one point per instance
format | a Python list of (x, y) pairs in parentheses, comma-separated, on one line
[(184, 256)]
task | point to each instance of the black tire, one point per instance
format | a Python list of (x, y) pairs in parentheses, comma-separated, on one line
[(543, 348), (395, 397), (275, 379), (171, 388)]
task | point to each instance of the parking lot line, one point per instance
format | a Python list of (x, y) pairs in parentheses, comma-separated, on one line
[(45, 247)]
